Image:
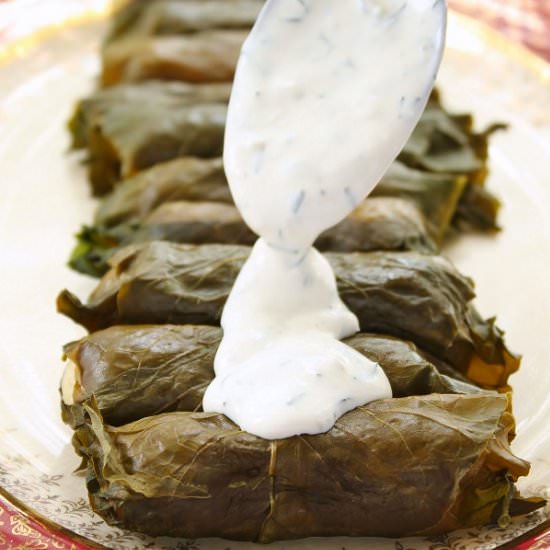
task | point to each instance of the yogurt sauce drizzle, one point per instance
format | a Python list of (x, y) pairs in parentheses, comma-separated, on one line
[(326, 94)]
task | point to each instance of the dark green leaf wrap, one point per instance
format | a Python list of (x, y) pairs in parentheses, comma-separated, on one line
[(442, 167), (446, 143), (168, 17), (105, 104), (194, 40), (138, 371), (181, 179), (436, 196), (381, 223), (206, 56), (436, 462), (128, 129), (416, 297)]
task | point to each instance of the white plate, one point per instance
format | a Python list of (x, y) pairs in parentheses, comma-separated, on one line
[(45, 198)]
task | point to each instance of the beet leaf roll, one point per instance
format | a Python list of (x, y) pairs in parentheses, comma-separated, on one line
[(127, 131), (206, 56), (418, 297), (135, 371), (181, 179), (381, 223), (169, 17), (437, 462)]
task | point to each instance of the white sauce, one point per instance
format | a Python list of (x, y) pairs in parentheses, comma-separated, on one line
[(326, 94)]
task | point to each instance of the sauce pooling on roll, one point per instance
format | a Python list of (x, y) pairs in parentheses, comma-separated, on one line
[(325, 96)]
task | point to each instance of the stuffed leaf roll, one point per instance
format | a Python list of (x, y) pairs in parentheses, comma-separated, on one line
[(417, 297), (181, 179), (126, 141), (182, 221), (138, 371), (376, 224), (437, 462), (446, 143), (435, 195), (104, 104), (184, 40), (205, 56), (169, 17), (130, 128)]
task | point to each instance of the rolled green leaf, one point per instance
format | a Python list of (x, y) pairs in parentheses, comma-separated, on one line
[(446, 143), (129, 141), (181, 179), (138, 371), (125, 137), (413, 296), (436, 462), (477, 210), (377, 224), (180, 222), (436, 195), (196, 41), (104, 104), (201, 57), (442, 158), (169, 17)]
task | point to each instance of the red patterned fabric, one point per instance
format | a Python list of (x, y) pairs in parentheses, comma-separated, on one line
[(526, 21), (542, 542), (20, 532)]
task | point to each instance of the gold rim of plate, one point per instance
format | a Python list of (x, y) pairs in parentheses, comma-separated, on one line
[(24, 46), (52, 527)]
